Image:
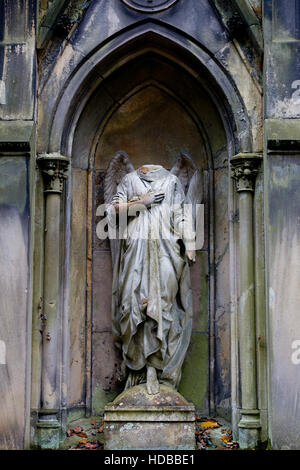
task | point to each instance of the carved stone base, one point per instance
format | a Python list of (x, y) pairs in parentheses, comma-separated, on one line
[(249, 429), (136, 420), (48, 429)]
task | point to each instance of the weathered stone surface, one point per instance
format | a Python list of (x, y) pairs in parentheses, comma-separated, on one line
[(261, 324), (48, 432), (16, 135), (257, 7), (108, 380), (283, 251), (281, 48), (17, 114), (17, 53), (78, 273), (37, 299), (100, 244), (200, 289), (102, 292), (221, 325), (250, 90), (281, 194), (195, 373), (131, 129), (89, 126), (136, 420), (13, 300)]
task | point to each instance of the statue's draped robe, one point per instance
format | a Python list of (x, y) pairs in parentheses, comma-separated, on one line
[(152, 299)]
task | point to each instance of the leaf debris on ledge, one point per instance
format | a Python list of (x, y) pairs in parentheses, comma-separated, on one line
[(212, 435)]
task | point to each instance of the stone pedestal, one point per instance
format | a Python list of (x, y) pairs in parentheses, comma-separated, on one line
[(136, 420)]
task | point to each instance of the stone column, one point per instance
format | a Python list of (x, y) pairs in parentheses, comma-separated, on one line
[(244, 171), (54, 169)]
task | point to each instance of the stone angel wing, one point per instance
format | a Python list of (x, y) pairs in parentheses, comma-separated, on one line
[(184, 169), (118, 167), (192, 180)]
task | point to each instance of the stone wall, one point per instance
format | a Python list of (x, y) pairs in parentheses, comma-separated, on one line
[(17, 143), (282, 175)]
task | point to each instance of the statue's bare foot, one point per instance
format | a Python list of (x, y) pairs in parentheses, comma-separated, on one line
[(152, 382)]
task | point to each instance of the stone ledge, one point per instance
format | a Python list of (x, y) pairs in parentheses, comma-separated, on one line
[(148, 414), (282, 134), (16, 136)]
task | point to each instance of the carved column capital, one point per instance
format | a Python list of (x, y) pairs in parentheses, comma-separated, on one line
[(54, 167), (244, 169)]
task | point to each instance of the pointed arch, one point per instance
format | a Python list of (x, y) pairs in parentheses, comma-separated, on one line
[(60, 123)]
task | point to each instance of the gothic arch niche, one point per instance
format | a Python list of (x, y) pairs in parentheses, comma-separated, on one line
[(153, 109)]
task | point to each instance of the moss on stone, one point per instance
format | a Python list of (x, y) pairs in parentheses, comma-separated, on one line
[(194, 382)]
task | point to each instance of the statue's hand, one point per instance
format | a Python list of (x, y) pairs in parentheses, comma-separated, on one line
[(191, 254), (151, 198)]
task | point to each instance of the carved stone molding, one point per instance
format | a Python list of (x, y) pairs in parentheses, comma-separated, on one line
[(244, 169), (54, 167), (149, 6)]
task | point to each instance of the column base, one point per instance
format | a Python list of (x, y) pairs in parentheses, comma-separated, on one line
[(249, 429), (48, 429)]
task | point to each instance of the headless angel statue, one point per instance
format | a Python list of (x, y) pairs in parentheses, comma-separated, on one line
[(152, 298)]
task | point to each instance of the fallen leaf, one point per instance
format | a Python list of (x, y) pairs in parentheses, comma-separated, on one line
[(101, 428), (83, 441), (226, 438), (92, 445), (209, 424), (93, 422), (81, 434), (78, 429)]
